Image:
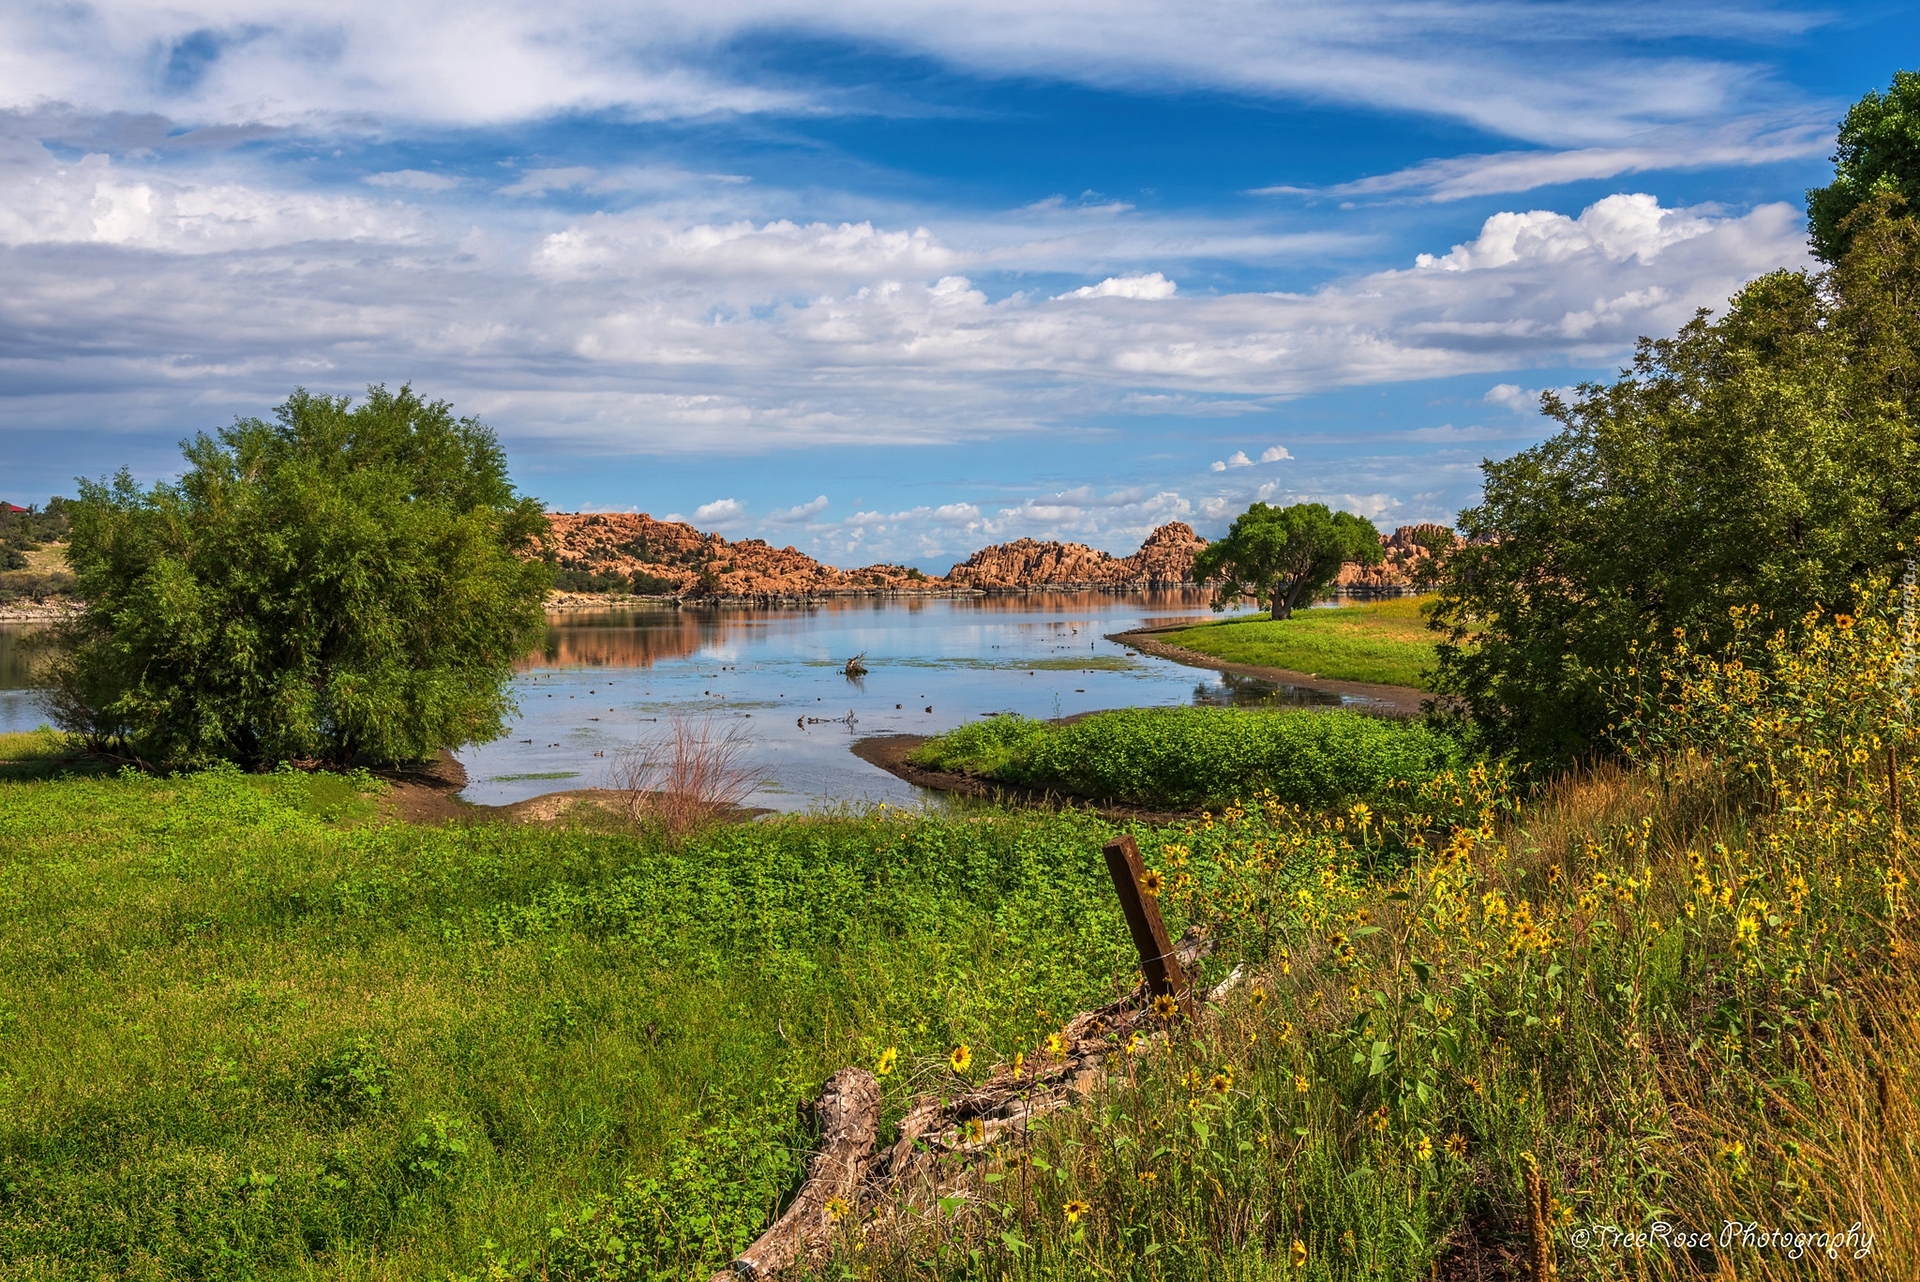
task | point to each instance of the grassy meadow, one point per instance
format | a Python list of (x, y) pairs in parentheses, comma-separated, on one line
[(1183, 758), (1386, 642), (251, 1028)]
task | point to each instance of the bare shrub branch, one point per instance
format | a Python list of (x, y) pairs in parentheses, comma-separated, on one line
[(690, 774)]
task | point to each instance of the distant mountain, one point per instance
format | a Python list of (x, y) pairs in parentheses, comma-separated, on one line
[(598, 552)]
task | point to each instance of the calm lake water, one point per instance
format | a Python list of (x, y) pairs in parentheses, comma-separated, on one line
[(604, 681)]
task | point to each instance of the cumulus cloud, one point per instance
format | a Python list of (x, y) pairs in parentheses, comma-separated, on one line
[(720, 511), (1150, 286), (1236, 459), (650, 331), (799, 513), (1274, 454)]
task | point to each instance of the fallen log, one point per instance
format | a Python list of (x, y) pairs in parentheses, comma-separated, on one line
[(849, 1111), (847, 1177)]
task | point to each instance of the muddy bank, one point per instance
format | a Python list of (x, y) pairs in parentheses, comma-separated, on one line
[(889, 753), (429, 793), (1357, 696)]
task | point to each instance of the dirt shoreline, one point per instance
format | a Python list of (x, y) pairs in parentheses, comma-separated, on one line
[(1379, 700)]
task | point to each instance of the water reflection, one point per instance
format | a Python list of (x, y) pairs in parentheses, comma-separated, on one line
[(602, 681), (22, 651)]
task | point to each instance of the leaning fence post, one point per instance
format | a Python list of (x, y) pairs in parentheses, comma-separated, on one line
[(1158, 965)]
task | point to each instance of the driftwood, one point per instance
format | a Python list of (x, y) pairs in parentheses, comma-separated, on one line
[(848, 1173)]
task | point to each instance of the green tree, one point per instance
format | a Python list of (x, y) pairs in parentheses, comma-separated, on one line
[(346, 583), (1876, 154), (1283, 557), (1765, 457)]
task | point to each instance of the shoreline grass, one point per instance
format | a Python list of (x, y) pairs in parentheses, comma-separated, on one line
[(1383, 642)]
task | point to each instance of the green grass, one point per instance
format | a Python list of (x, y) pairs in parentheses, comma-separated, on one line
[(1386, 642), (1182, 758), (249, 1030)]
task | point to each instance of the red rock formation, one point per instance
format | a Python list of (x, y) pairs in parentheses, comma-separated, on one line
[(1408, 565), (1165, 559), (673, 558)]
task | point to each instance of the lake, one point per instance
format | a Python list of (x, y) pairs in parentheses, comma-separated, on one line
[(603, 681)]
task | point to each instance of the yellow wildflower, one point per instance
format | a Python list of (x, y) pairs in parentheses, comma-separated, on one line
[(889, 1058), (961, 1059), (1299, 1255), (1074, 1210)]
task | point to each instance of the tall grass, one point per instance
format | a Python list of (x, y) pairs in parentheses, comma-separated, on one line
[(1660, 1016)]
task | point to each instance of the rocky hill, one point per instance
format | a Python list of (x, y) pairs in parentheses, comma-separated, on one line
[(625, 551), (597, 552), (1164, 560)]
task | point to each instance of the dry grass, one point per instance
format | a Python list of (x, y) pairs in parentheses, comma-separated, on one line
[(689, 775)]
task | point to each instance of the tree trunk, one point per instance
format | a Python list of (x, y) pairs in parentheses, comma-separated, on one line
[(1282, 602)]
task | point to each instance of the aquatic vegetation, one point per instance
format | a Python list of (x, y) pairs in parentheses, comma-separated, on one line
[(1179, 758)]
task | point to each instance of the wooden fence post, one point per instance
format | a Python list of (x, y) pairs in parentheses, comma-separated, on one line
[(1158, 965)]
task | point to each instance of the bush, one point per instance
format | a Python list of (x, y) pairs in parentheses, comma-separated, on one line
[(1186, 757), (344, 583)]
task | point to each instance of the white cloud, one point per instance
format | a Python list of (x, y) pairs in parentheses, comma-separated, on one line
[(1150, 286), (413, 180), (1580, 74), (720, 511), (651, 331), (1274, 454), (538, 182), (1237, 459), (795, 515), (1742, 143)]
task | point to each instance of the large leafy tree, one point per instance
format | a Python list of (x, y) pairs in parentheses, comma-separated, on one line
[(345, 583), (1283, 557), (1876, 154), (1768, 456)]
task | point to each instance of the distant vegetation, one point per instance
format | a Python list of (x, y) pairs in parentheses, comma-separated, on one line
[(1184, 758), (31, 569), (1387, 642)]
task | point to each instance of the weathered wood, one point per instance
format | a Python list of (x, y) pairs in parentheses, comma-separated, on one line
[(1158, 965), (849, 1112)]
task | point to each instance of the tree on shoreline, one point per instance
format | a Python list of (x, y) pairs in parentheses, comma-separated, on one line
[(1284, 557), (344, 584)]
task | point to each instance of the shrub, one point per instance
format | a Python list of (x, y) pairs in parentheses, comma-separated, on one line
[(343, 583)]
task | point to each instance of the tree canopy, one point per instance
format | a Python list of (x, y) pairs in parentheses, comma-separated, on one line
[(1767, 457), (1876, 154), (1284, 557), (345, 583)]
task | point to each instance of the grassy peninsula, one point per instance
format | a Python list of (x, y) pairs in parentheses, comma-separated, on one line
[(1385, 642)]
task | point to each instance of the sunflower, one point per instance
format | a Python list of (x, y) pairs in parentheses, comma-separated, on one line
[(961, 1059), (1056, 1045), (1258, 997), (889, 1059), (1457, 1147), (1220, 1083), (1423, 1148), (1074, 1210), (1146, 1177), (1301, 1085), (1164, 1006), (837, 1208), (1135, 1043), (974, 1131), (1150, 883), (1299, 1255)]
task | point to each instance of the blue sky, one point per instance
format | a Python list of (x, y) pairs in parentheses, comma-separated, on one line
[(895, 280)]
